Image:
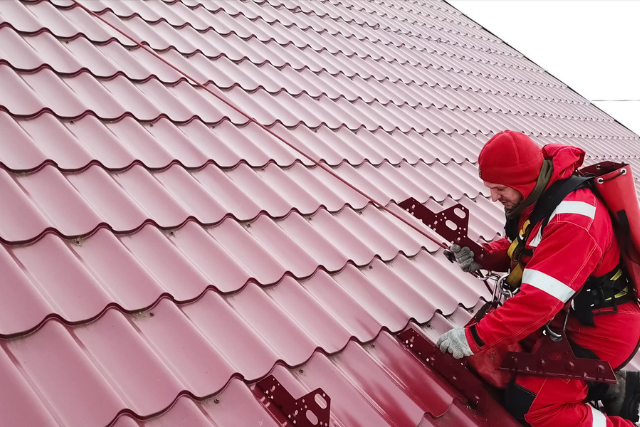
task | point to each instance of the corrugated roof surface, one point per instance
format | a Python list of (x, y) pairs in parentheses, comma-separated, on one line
[(161, 253)]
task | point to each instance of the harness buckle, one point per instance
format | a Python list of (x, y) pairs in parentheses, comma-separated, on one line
[(501, 289), (552, 335)]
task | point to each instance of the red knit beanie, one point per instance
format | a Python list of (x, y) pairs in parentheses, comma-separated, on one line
[(512, 159)]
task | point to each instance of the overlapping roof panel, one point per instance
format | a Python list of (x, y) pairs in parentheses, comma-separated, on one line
[(162, 251)]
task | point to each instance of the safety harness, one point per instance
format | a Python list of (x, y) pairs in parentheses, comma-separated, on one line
[(607, 291)]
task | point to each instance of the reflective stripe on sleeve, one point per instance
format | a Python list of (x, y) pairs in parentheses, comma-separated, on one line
[(547, 284), (599, 420), (580, 208)]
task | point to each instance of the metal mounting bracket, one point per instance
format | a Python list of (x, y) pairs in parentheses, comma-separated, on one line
[(311, 410), (556, 359), (452, 370), (452, 223)]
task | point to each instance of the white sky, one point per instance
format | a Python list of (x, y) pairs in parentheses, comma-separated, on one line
[(592, 46)]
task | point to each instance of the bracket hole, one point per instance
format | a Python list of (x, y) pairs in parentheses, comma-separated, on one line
[(460, 213), (313, 419), (320, 401), (452, 225)]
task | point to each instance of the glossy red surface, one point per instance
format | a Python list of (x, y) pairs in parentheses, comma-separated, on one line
[(161, 253)]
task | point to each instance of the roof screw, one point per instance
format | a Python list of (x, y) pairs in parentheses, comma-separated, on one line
[(370, 267), (216, 400), (301, 371), (151, 314)]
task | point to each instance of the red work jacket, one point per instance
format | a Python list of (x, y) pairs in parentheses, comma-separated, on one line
[(577, 242)]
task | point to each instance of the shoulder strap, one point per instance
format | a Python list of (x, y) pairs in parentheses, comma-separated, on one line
[(511, 228), (546, 204), (554, 195)]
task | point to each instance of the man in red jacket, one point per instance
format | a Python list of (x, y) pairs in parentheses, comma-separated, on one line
[(551, 265)]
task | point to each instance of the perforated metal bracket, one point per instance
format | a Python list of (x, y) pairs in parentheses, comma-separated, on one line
[(556, 359), (454, 371), (311, 410), (452, 223)]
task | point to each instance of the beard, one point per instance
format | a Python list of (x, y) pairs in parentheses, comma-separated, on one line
[(513, 207)]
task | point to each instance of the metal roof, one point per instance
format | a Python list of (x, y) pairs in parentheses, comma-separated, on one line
[(161, 252)]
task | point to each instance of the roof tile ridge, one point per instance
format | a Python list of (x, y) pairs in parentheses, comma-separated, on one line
[(76, 36), (287, 26), (279, 362), (126, 114), (85, 70), (209, 288), (435, 17), (422, 50), (79, 238)]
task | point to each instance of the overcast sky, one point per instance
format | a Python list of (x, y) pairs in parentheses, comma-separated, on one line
[(592, 46)]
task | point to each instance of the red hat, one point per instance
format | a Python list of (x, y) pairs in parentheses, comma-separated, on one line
[(512, 159)]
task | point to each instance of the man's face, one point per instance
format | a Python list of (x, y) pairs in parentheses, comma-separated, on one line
[(503, 194)]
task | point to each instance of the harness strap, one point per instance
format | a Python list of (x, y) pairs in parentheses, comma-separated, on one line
[(546, 204), (609, 290), (606, 291), (556, 193)]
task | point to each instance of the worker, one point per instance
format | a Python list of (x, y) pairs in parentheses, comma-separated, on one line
[(575, 250)]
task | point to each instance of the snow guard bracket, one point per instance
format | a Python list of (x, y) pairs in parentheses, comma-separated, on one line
[(451, 224), (311, 410)]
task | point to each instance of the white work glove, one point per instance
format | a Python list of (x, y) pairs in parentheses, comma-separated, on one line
[(455, 342), (464, 258)]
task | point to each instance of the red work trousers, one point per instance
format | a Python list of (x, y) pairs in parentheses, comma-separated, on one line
[(559, 402)]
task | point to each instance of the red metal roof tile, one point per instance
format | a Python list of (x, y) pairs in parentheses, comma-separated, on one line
[(116, 347), (172, 334), (53, 358), (291, 344), (232, 336), (20, 403), (162, 253), (20, 218), (23, 306)]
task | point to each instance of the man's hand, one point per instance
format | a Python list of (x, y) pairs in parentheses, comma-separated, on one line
[(455, 342), (464, 258)]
